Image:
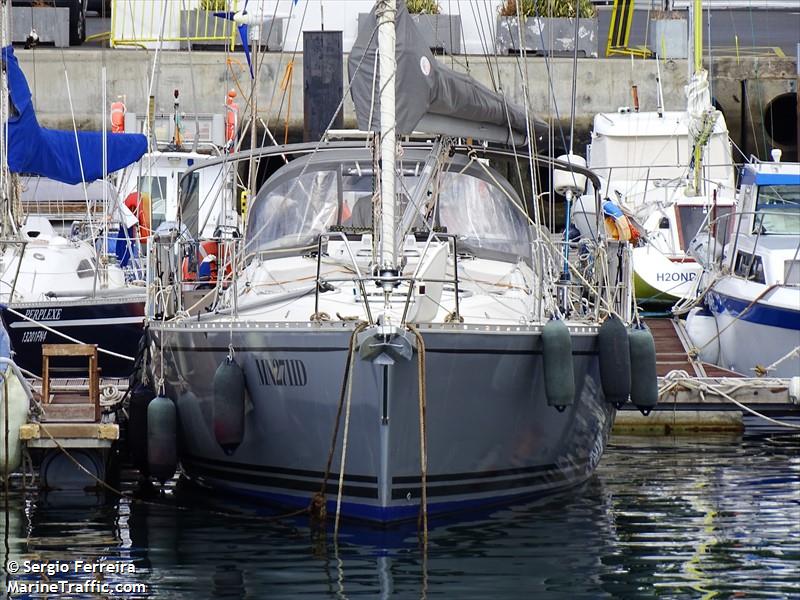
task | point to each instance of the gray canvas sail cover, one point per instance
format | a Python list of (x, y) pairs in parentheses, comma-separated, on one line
[(429, 96)]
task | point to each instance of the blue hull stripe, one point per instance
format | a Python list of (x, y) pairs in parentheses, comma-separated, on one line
[(761, 314), (391, 514), (552, 478)]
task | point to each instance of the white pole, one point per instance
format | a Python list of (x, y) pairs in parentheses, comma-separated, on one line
[(386, 13), (106, 211)]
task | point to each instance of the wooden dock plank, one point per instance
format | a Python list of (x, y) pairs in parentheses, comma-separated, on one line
[(65, 431)]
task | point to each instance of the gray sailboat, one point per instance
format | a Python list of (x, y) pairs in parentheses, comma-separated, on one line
[(394, 333)]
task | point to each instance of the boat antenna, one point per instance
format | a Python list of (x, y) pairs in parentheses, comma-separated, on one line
[(659, 89), (574, 77)]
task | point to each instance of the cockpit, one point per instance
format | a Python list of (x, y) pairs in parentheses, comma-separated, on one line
[(333, 191)]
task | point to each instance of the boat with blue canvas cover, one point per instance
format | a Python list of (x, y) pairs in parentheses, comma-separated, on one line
[(389, 337), (58, 288), (751, 280)]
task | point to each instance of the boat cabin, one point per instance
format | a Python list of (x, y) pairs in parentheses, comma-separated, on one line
[(333, 191), (158, 175), (653, 151), (766, 248)]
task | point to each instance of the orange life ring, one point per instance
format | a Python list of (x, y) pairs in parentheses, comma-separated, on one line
[(139, 205), (207, 253)]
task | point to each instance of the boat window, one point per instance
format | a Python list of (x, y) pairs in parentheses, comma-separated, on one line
[(85, 269), (156, 188), (691, 219), (357, 200), (190, 202), (482, 215), (694, 218), (791, 272), (293, 213), (749, 266), (779, 206), (357, 195)]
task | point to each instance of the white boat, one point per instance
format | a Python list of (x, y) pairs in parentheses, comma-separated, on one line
[(55, 288), (751, 286), (72, 268), (383, 343), (672, 172)]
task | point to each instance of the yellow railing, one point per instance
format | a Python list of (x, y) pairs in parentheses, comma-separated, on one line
[(172, 22), (619, 31)]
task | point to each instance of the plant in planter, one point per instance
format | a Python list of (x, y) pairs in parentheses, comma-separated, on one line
[(423, 7), (442, 32), (546, 27)]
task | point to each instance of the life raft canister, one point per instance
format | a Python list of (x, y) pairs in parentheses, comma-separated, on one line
[(118, 111)]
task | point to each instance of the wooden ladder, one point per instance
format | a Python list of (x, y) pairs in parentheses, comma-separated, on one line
[(66, 403)]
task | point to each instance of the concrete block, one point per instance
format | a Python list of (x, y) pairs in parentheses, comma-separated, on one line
[(668, 38), (441, 32), (546, 36), (51, 24)]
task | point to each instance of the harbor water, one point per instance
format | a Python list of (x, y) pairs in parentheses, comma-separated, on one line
[(668, 517)]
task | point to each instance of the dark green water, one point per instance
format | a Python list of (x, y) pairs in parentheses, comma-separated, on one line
[(663, 517)]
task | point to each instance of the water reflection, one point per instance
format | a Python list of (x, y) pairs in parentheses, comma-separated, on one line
[(677, 518)]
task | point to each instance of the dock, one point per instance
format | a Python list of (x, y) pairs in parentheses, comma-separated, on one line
[(696, 396), (68, 435)]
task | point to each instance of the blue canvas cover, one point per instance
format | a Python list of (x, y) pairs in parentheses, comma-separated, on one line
[(40, 151)]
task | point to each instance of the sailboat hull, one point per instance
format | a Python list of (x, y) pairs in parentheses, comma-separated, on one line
[(114, 324), (491, 435), (756, 329), (660, 280)]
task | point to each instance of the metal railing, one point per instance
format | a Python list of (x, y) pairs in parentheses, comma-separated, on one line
[(137, 22)]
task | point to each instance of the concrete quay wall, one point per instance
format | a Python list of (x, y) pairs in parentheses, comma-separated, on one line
[(204, 77)]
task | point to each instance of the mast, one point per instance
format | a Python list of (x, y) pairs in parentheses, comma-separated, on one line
[(702, 116), (697, 47), (387, 13)]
